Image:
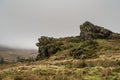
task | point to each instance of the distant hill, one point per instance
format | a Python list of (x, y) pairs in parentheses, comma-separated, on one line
[(11, 54), (2, 48)]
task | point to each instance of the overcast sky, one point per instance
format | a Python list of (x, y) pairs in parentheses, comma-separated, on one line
[(22, 22)]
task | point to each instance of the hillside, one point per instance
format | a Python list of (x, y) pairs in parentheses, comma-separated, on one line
[(3, 48), (94, 55), (87, 45), (11, 54)]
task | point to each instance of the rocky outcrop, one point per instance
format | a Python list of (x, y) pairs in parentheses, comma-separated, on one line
[(90, 31), (47, 47)]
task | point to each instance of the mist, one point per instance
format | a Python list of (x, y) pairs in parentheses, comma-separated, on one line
[(22, 22)]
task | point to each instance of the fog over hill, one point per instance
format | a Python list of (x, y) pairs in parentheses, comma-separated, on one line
[(10, 54), (4, 48)]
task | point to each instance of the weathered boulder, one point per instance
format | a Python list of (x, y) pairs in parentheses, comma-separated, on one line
[(91, 31), (46, 47)]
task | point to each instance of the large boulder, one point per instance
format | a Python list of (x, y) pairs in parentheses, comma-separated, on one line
[(90, 31), (47, 47)]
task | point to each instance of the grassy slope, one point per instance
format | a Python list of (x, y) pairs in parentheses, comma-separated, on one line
[(63, 67)]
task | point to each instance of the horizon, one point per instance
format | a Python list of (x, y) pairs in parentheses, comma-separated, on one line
[(23, 22)]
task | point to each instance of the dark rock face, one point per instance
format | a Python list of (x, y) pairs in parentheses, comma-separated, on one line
[(46, 47), (90, 31)]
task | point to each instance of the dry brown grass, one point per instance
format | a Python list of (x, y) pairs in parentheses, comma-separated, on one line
[(62, 67), (59, 70)]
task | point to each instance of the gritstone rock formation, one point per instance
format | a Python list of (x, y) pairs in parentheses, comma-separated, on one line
[(47, 47), (90, 31)]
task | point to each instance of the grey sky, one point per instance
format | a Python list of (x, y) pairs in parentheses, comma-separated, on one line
[(22, 22)]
